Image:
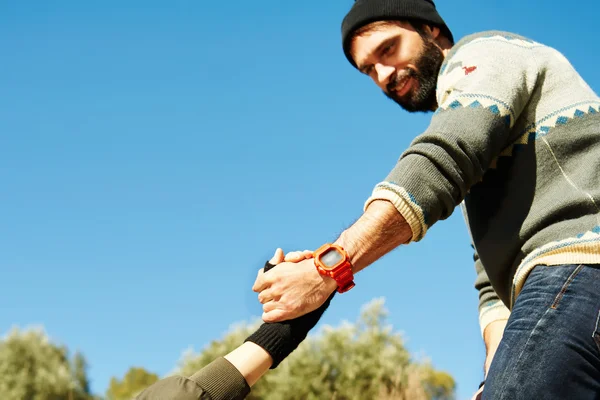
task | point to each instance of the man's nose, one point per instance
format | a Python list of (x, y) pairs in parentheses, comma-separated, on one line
[(383, 72)]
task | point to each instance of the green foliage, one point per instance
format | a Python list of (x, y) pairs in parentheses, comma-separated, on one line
[(33, 368), (438, 385), (134, 381), (362, 360), (80, 372), (190, 362)]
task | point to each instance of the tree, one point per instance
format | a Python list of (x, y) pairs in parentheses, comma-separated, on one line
[(33, 368), (80, 372), (363, 360), (438, 385), (134, 381)]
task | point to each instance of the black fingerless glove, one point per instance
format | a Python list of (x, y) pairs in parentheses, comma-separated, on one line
[(279, 339)]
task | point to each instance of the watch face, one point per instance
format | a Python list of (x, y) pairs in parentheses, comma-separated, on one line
[(331, 258)]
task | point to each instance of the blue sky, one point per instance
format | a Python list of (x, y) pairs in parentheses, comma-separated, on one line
[(153, 154)]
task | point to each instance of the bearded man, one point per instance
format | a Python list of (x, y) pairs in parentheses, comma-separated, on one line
[(514, 140)]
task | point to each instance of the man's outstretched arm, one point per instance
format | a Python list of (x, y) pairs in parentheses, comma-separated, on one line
[(294, 289), (377, 232)]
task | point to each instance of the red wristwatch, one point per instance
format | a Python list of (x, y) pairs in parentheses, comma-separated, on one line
[(332, 260)]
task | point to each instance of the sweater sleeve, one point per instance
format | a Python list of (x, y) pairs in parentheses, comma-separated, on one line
[(219, 380), (491, 308), (483, 87)]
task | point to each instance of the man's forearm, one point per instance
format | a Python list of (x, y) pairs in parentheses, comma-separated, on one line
[(377, 232)]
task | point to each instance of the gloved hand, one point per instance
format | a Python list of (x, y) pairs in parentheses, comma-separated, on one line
[(280, 339)]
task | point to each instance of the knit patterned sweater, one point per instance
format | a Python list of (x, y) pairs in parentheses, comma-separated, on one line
[(516, 142)]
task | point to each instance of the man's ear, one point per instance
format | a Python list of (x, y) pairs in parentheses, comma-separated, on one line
[(433, 31)]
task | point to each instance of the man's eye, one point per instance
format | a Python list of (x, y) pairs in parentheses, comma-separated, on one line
[(387, 49)]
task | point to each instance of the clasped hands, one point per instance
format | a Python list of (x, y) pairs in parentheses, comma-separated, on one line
[(293, 289)]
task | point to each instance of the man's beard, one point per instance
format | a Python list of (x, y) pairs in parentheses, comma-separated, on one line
[(421, 97)]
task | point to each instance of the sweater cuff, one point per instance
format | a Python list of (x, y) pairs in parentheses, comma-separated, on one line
[(405, 205), (494, 311), (222, 381)]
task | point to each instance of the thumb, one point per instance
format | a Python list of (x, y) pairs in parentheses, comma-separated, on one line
[(277, 257)]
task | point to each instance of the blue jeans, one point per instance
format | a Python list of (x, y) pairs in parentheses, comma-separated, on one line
[(551, 344)]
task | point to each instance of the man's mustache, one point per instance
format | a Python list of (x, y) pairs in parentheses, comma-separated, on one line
[(398, 77)]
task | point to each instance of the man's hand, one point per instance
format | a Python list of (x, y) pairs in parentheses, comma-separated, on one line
[(280, 339), (477, 395), (492, 335), (292, 289)]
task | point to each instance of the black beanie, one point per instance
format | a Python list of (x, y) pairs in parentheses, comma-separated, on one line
[(364, 12)]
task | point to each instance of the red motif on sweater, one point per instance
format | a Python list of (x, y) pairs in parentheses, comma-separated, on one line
[(468, 70)]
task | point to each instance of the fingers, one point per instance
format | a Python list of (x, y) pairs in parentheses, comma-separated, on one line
[(263, 281), (295, 256), (265, 296), (269, 306), (274, 315)]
